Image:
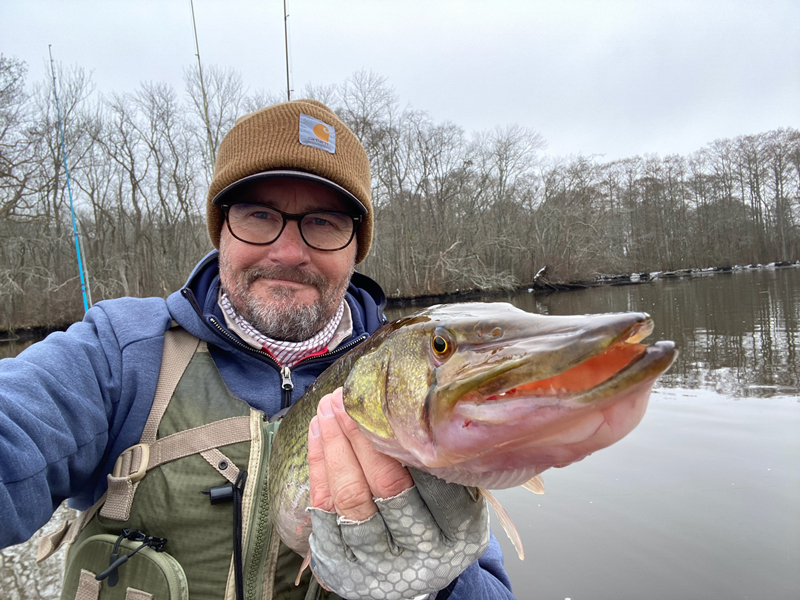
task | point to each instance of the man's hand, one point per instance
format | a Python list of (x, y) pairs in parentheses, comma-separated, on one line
[(373, 536), (346, 472)]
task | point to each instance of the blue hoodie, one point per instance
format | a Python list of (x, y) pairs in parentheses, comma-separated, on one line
[(72, 403)]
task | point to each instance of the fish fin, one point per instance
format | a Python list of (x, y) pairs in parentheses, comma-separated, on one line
[(306, 563), (505, 521), (303, 567), (534, 484)]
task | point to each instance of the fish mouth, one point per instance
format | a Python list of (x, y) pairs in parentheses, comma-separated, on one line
[(613, 366), (599, 379), (560, 414)]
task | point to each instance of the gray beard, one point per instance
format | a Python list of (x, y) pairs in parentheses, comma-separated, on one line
[(293, 323), (289, 322)]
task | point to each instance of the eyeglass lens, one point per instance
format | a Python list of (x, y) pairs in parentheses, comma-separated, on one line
[(259, 224)]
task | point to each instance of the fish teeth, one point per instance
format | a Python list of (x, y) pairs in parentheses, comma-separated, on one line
[(642, 332)]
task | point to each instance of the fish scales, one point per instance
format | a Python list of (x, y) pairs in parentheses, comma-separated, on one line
[(480, 394)]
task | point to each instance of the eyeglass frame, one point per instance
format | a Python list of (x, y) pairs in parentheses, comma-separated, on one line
[(357, 220)]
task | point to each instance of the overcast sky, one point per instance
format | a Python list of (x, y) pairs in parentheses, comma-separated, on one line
[(613, 78)]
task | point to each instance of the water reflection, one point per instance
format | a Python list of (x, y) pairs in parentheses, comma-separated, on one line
[(12, 348), (737, 332), (699, 501), (702, 487)]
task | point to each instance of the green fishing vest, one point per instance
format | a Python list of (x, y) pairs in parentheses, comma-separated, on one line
[(173, 502)]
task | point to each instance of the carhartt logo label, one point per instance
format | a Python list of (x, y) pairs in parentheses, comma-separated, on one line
[(321, 131), (317, 134)]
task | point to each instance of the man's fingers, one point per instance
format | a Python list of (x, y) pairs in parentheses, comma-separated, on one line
[(345, 471), (317, 471), (385, 476), (349, 490)]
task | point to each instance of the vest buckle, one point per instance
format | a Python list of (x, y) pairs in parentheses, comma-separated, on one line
[(123, 467)]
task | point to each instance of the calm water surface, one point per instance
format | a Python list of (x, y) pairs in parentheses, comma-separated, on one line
[(701, 501)]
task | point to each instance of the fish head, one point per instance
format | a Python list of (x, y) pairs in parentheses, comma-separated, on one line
[(488, 394)]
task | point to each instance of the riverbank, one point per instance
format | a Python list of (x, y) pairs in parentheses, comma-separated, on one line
[(542, 285)]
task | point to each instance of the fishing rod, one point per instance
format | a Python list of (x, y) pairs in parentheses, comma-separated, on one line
[(286, 47), (69, 184), (211, 153)]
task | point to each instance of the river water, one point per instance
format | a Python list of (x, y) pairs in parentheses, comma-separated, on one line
[(701, 501)]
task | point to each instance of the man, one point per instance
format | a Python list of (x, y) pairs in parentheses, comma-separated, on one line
[(289, 210)]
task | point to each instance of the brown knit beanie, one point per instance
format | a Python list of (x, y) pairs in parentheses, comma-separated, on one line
[(301, 136)]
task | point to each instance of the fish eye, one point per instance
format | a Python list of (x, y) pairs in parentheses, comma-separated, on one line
[(442, 344)]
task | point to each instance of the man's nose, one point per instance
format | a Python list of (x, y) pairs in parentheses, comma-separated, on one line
[(289, 249)]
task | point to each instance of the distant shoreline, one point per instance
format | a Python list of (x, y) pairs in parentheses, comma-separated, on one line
[(26, 333), (544, 287)]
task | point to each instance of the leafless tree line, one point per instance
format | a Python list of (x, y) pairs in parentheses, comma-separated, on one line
[(454, 211)]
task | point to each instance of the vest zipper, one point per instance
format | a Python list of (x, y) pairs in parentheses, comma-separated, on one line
[(116, 561), (238, 550)]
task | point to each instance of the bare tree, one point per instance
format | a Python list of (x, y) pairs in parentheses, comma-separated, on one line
[(453, 211), (225, 100)]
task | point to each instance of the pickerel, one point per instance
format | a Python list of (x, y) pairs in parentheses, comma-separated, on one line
[(483, 395)]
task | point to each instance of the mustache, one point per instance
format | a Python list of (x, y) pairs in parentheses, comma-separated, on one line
[(297, 275)]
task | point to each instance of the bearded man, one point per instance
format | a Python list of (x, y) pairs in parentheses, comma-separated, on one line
[(155, 417)]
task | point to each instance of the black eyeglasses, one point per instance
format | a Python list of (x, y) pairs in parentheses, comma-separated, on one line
[(261, 225)]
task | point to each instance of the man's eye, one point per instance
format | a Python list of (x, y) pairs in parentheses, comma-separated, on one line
[(333, 221), (260, 215)]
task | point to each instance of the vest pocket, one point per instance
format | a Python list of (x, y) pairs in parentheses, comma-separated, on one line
[(146, 574)]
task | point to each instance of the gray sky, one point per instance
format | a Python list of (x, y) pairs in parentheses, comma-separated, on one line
[(614, 78)]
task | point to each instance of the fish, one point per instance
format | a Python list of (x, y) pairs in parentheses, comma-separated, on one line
[(480, 394)]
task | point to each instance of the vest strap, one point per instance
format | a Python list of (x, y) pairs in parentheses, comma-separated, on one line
[(222, 464), (50, 543), (194, 441), (88, 586), (179, 347), (133, 463)]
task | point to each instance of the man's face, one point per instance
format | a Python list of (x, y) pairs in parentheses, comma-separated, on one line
[(286, 290)]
